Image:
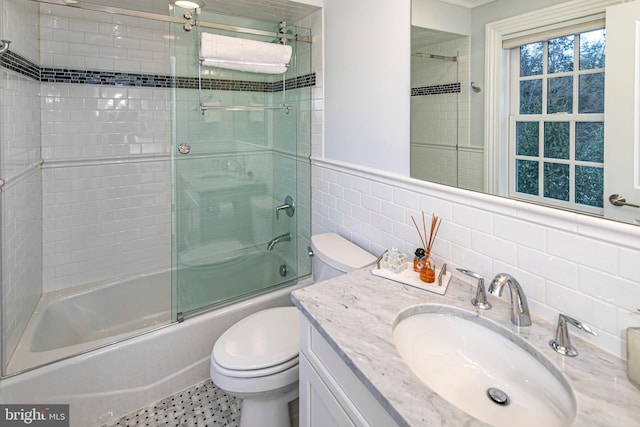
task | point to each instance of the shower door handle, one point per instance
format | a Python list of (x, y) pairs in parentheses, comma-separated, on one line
[(289, 207)]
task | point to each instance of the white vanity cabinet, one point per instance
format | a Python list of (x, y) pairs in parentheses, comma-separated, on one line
[(330, 393)]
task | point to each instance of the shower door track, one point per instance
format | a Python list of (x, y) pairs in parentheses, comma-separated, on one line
[(172, 19)]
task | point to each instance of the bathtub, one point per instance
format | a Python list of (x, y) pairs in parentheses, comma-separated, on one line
[(103, 384), (78, 319)]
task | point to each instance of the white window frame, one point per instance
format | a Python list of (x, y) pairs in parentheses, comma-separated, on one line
[(497, 60), (571, 118)]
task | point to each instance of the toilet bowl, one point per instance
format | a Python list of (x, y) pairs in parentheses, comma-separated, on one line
[(256, 359)]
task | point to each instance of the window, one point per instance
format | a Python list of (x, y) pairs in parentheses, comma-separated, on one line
[(556, 121)]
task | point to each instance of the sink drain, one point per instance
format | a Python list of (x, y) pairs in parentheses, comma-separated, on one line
[(498, 396)]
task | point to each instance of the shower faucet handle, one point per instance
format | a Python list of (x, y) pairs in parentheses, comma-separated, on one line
[(289, 207)]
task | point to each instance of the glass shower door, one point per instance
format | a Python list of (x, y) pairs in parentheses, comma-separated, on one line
[(235, 168)]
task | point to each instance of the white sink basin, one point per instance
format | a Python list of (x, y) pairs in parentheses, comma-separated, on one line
[(465, 358)]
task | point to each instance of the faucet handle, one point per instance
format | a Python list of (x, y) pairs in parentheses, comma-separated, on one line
[(562, 343), (480, 301), (288, 206)]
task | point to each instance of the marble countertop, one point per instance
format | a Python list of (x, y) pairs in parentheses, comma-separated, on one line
[(355, 313)]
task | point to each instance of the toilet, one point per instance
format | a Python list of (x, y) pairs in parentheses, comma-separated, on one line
[(256, 359)]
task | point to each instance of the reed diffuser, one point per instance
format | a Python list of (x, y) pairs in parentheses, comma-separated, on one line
[(428, 272)]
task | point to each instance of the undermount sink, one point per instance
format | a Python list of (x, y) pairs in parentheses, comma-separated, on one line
[(482, 368)]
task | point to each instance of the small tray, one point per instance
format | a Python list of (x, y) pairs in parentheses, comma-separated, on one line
[(412, 278)]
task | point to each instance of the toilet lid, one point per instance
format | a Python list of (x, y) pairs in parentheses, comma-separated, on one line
[(267, 338), (339, 252)]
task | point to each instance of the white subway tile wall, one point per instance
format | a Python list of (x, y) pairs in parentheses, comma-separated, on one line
[(101, 219), (19, 142), (591, 274), (19, 25), (107, 174), (83, 39)]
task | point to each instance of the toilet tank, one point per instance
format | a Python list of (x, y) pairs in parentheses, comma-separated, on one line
[(334, 255)]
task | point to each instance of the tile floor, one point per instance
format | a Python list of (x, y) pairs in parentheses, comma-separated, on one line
[(200, 405)]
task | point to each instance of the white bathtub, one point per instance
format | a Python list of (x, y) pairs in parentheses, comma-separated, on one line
[(106, 383), (78, 319)]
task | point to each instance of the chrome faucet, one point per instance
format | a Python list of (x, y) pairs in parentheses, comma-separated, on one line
[(286, 237), (519, 308), (562, 343)]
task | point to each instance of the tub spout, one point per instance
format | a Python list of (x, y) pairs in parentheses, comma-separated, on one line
[(286, 237)]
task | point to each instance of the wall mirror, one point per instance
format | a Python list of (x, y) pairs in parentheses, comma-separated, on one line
[(440, 85), (553, 170)]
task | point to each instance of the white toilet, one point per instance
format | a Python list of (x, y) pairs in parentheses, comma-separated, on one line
[(257, 358)]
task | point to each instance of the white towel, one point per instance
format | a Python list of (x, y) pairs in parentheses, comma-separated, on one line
[(243, 54), (246, 66)]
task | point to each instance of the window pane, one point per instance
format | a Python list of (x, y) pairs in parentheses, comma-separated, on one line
[(560, 95), (556, 181), (561, 54), (527, 138), (531, 97), (591, 93), (590, 141), (589, 185), (556, 140), (531, 59), (527, 177), (592, 49)]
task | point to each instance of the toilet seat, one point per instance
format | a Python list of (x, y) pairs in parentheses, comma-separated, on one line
[(271, 370), (265, 343)]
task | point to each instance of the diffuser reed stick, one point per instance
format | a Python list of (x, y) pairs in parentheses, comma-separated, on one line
[(427, 271), (424, 244), (433, 232), (435, 226)]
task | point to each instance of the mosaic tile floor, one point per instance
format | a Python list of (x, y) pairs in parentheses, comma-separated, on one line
[(198, 406)]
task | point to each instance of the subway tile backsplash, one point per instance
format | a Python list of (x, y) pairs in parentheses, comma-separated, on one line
[(567, 263)]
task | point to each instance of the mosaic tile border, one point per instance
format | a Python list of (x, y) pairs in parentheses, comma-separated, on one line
[(13, 61), (436, 89)]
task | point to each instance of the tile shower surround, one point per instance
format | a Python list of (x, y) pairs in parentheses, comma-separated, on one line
[(143, 212), (102, 97)]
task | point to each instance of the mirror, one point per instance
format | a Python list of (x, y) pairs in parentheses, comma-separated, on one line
[(447, 105), (441, 149)]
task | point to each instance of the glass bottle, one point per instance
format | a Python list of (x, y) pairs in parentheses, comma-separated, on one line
[(427, 272), (418, 256)]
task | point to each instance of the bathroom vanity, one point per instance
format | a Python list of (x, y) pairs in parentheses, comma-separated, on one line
[(351, 372)]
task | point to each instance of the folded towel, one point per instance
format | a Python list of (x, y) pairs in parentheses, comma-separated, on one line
[(247, 66), (243, 54)]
